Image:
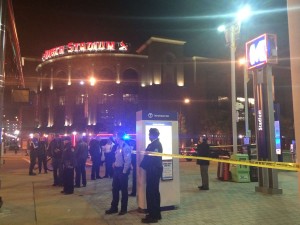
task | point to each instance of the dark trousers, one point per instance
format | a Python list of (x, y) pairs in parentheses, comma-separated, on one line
[(42, 161), (68, 180), (120, 183), (95, 169), (32, 162), (109, 171), (152, 193), (204, 175), (80, 173), (57, 171), (133, 191)]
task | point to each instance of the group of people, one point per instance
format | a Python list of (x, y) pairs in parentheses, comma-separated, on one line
[(65, 160), (119, 160), (38, 150), (153, 168)]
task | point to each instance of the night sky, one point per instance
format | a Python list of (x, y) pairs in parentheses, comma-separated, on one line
[(44, 24)]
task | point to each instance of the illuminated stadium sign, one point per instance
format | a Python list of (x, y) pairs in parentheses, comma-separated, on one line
[(85, 47)]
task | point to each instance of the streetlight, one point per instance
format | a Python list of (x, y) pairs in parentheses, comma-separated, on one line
[(231, 32)]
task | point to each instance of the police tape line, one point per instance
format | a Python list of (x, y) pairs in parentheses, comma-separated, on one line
[(263, 164)]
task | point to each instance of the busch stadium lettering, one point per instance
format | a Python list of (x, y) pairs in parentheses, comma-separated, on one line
[(85, 47)]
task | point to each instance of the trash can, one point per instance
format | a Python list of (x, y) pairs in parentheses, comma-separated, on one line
[(223, 169), (240, 173)]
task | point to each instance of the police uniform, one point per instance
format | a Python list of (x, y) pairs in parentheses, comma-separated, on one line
[(153, 167), (69, 162), (122, 166), (33, 154)]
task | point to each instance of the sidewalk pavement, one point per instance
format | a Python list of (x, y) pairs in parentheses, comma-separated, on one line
[(33, 200)]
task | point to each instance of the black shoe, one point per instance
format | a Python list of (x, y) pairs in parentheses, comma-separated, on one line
[(93, 179), (149, 220), (122, 212), (54, 185), (148, 216), (32, 174), (77, 186), (204, 188), (105, 177), (62, 191), (111, 211), (98, 177), (132, 194), (68, 193)]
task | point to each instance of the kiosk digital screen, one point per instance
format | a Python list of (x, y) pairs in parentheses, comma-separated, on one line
[(165, 137)]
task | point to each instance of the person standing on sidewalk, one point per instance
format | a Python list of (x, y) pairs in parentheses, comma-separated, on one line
[(120, 178), (109, 157), (132, 144), (81, 155), (69, 163), (42, 155), (153, 167), (95, 153), (203, 151), (33, 146), (55, 150)]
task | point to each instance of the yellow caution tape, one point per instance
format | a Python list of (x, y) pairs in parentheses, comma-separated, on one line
[(263, 164)]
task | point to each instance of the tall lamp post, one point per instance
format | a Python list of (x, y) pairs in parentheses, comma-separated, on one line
[(185, 101), (231, 32)]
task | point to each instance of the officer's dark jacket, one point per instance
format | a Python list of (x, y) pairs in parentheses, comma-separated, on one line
[(42, 147), (81, 152), (68, 157), (55, 148), (203, 151), (152, 162), (95, 150)]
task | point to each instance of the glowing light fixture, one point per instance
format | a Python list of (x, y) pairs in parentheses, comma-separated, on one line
[(92, 81)]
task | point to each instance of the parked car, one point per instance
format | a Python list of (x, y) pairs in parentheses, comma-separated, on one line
[(215, 152), (188, 151)]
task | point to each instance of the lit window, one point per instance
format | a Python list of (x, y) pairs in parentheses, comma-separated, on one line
[(62, 100), (132, 98), (79, 99)]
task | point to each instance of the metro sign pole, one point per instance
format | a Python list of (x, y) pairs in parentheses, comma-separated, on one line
[(261, 52)]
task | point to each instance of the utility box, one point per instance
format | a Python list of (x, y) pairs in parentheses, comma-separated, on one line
[(240, 173)]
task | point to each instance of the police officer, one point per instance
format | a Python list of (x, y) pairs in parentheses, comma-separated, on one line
[(120, 177), (81, 155), (153, 167), (55, 149), (69, 163), (42, 155), (95, 153), (34, 143)]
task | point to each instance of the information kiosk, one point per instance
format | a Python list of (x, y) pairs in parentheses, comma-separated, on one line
[(167, 124)]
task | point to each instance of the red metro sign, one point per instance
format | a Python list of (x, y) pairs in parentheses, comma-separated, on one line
[(85, 47)]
